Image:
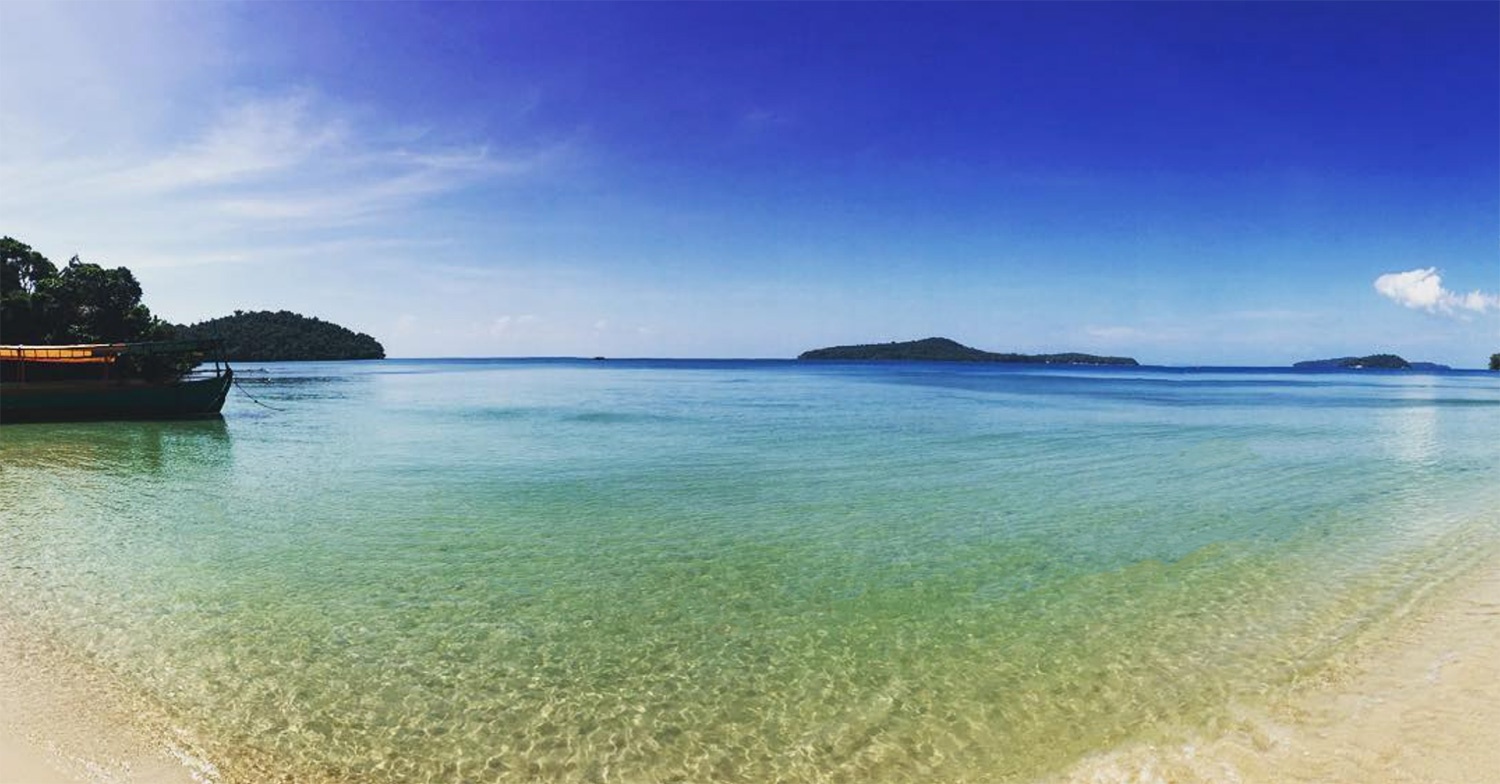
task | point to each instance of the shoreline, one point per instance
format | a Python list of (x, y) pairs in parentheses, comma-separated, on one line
[(1419, 702), (63, 720)]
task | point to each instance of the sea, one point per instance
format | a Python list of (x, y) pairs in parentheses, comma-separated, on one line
[(737, 571)]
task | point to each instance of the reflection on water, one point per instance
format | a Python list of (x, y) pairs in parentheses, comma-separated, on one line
[(1411, 434), (148, 447)]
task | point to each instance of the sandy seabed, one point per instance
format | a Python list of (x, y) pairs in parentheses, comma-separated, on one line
[(1419, 704)]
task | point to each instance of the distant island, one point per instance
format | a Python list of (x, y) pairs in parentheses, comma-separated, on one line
[(1372, 362), (946, 350), (283, 336), (1495, 362)]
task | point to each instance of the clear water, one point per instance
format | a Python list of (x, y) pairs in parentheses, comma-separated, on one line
[(737, 571)]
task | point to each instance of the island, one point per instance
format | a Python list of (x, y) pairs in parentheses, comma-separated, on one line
[(282, 336), (946, 350), (1495, 362), (1371, 362)]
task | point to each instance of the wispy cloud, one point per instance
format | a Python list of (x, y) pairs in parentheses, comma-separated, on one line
[(149, 146), (294, 158), (1422, 289), (247, 141), (285, 165)]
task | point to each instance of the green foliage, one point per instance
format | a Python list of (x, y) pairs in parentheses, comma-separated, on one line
[(1495, 362), (1376, 361), (86, 303), (80, 303), (946, 350), (1387, 361), (22, 267), (264, 336)]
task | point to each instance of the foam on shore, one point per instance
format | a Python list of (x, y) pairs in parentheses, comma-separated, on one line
[(64, 720)]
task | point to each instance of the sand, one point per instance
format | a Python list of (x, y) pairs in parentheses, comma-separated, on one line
[(62, 720), (1419, 704)]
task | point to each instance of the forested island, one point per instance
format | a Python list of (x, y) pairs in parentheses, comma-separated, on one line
[(1371, 362), (1495, 362), (264, 336), (946, 350), (82, 302)]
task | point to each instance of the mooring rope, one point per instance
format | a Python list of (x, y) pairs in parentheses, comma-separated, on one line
[(236, 383)]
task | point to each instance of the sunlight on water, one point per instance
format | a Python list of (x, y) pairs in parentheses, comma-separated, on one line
[(737, 571)]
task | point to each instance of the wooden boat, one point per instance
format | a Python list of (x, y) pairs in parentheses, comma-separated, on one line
[(159, 380)]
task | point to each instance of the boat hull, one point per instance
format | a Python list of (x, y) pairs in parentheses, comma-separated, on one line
[(82, 400)]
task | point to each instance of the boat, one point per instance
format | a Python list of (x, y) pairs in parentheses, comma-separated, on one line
[(156, 380)]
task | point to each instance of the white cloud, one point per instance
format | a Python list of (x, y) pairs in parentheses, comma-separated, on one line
[(292, 161), (145, 135), (1422, 289), (248, 140)]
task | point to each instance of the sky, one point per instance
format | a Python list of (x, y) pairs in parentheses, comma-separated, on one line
[(1201, 183)]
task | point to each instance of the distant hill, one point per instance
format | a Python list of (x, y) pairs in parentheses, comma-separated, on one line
[(1374, 362), (263, 336), (945, 350)]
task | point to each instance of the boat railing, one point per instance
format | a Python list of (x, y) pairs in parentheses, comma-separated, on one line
[(190, 357)]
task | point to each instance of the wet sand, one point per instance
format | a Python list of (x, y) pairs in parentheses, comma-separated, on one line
[(1419, 704), (64, 721)]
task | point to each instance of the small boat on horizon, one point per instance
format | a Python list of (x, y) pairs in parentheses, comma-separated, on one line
[(154, 380)]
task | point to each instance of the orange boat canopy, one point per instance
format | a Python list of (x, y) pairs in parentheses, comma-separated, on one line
[(91, 353), (102, 353)]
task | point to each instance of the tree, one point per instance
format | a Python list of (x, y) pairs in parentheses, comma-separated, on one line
[(22, 267), (80, 303), (21, 270), (1495, 362), (97, 305)]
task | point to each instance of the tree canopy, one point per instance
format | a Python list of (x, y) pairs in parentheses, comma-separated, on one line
[(86, 303), (1495, 362), (79, 303), (264, 336), (1373, 361)]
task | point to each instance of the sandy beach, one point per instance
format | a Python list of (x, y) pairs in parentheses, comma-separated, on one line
[(1420, 704), (64, 721)]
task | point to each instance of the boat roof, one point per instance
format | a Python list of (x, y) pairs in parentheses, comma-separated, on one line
[(103, 352)]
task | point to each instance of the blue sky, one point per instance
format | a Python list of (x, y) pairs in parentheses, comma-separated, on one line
[(1186, 183)]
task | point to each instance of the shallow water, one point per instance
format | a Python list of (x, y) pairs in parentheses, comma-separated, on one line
[(737, 571)]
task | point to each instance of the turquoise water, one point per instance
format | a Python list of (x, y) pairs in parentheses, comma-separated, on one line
[(537, 570)]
